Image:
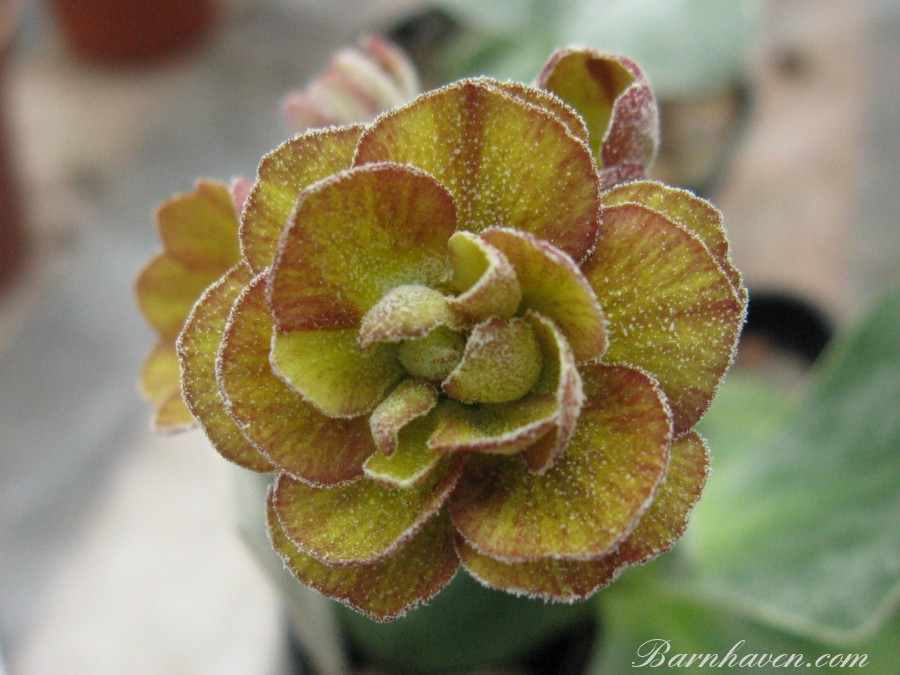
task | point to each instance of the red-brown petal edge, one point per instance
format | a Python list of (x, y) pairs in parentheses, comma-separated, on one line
[(198, 347), (657, 531), (385, 590), (291, 433)]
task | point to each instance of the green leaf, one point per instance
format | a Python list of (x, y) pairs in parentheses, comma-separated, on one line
[(641, 610), (798, 525)]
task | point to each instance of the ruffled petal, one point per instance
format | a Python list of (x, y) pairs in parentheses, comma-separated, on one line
[(657, 531), (160, 376), (506, 162), (484, 280), (173, 416), (283, 174), (412, 460), (166, 291), (561, 379), (694, 214), (553, 285), (288, 431), (354, 237), (549, 102), (406, 312), (363, 521), (411, 399), (613, 96), (200, 229), (328, 369), (498, 428), (594, 495), (384, 590), (501, 363), (671, 309), (198, 347)]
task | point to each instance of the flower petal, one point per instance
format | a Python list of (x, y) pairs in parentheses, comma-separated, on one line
[(594, 495), (553, 285), (283, 174), (198, 347), (505, 161), (384, 590), (160, 376), (173, 416), (658, 530), (412, 461), (405, 312), (613, 96), (200, 229), (166, 291), (362, 521), (500, 428), (328, 369), (549, 102), (502, 362), (484, 279), (696, 215), (411, 399), (353, 238), (671, 309), (288, 431), (559, 377)]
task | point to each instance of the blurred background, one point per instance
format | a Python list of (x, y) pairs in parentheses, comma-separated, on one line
[(117, 551)]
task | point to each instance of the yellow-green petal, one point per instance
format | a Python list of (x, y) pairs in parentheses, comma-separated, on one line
[(283, 174), (409, 311), (498, 428), (592, 497), (550, 102), (671, 309), (506, 162), (166, 291), (559, 378), (355, 237), (330, 371), (172, 415), (383, 590), (553, 285), (200, 228), (694, 214), (412, 460), (411, 398), (362, 521), (657, 532), (484, 280), (160, 375), (502, 362), (288, 431), (612, 95), (198, 347)]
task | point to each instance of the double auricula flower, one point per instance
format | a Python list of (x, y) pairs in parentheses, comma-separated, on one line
[(468, 333)]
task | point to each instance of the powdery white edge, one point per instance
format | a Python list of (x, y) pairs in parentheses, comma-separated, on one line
[(346, 601), (229, 406), (639, 512), (264, 168), (444, 488), (734, 334), (620, 567), (563, 260), (495, 88)]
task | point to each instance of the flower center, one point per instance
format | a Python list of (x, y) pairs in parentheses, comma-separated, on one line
[(434, 356)]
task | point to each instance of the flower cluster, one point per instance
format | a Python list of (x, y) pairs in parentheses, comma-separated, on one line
[(470, 332)]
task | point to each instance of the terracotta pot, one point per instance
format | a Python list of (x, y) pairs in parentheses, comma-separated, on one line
[(12, 226), (133, 31)]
